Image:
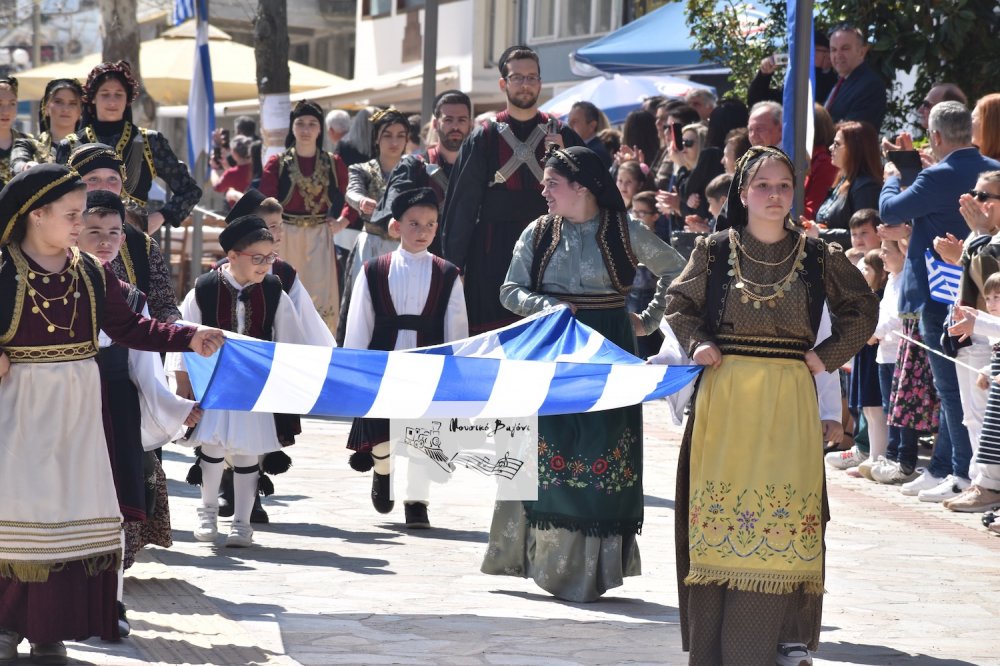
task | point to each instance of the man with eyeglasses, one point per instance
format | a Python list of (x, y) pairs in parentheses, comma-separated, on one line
[(496, 188), (860, 92), (939, 92), (932, 204)]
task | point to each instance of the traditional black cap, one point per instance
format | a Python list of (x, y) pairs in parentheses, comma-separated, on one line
[(404, 201), (106, 199), (239, 228), (247, 205), (90, 156), (32, 189)]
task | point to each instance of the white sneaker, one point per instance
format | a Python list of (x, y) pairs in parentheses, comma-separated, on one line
[(240, 535), (925, 481), (793, 654), (889, 472), (207, 528), (852, 457), (952, 486), (865, 468)]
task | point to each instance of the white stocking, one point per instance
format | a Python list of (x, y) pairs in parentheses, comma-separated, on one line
[(244, 487), (211, 474), (380, 454)]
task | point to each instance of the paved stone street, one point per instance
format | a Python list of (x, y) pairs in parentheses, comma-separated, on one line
[(332, 582)]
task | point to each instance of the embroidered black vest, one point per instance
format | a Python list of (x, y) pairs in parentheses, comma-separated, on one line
[(429, 324), (282, 269), (135, 257), (613, 239), (720, 282)]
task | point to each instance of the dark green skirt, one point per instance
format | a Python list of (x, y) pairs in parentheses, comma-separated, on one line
[(590, 464)]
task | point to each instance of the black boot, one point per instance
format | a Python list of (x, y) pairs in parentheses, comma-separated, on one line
[(124, 628), (258, 514), (380, 493), (416, 516), (226, 498)]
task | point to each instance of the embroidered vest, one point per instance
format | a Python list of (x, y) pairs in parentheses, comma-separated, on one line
[(612, 238), (283, 270), (135, 257), (217, 300), (720, 283), (429, 324), (331, 198)]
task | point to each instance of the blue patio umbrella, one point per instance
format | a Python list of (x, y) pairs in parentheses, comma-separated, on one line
[(660, 41), (617, 95)]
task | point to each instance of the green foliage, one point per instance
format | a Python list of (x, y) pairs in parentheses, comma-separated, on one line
[(737, 38)]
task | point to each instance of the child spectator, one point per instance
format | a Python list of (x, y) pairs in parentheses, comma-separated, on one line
[(913, 403), (243, 297), (425, 306), (864, 235), (631, 180), (717, 191)]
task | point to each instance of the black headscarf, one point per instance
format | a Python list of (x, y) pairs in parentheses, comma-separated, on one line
[(305, 107), (746, 167), (50, 89), (90, 156), (582, 165)]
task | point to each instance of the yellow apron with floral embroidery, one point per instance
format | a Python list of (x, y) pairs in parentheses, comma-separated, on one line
[(756, 478)]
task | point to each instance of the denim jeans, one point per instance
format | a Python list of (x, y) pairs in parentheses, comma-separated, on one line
[(953, 451), (885, 371)]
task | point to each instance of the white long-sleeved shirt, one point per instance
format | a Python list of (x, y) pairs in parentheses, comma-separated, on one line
[(313, 327), (409, 284), (888, 322)]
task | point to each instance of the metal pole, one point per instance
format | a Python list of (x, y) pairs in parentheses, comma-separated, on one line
[(197, 219), (429, 90), (802, 55), (36, 33)]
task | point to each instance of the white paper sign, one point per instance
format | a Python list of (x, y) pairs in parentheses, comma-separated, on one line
[(503, 451), (274, 111)]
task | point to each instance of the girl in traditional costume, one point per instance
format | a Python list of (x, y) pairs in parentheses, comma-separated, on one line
[(309, 183), (108, 94), (751, 507), (365, 187), (58, 116), (578, 540), (61, 546), (8, 135)]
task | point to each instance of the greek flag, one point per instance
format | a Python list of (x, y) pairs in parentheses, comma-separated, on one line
[(183, 11), (201, 99), (546, 364), (942, 278)]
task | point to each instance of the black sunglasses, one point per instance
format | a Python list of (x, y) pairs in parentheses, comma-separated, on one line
[(688, 143), (983, 196)]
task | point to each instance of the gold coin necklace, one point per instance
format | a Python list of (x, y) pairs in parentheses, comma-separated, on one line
[(763, 292)]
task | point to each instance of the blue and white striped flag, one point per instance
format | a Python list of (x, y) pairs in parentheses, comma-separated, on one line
[(201, 99), (546, 364), (942, 278), (183, 11)]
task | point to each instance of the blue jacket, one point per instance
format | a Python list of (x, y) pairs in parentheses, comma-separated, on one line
[(932, 203), (862, 96)]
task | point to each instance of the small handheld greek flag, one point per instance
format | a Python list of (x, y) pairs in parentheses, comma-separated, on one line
[(942, 279), (183, 11)]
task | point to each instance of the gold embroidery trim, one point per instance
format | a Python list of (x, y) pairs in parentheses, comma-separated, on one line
[(303, 220), (90, 291), (51, 353), (65, 523), (127, 262)]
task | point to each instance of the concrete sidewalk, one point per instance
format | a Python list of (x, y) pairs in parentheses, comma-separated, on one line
[(332, 582)]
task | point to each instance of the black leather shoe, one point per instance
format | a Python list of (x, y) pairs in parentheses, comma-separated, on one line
[(226, 501), (258, 514), (380, 493), (124, 628), (416, 516)]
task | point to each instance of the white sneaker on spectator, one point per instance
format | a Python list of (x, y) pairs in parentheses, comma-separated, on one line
[(890, 473), (925, 481), (952, 486), (793, 654), (866, 466), (852, 457)]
